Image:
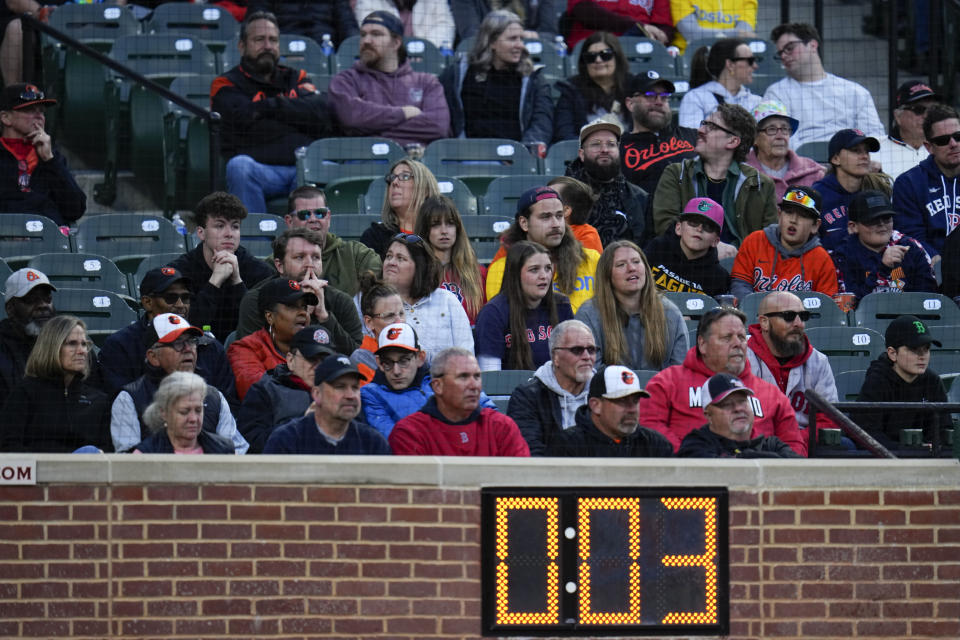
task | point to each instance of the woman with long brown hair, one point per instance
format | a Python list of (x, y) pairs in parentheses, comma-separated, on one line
[(632, 323)]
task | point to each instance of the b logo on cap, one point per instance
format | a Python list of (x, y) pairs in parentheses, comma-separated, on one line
[(32, 275), (920, 327), (294, 285), (627, 377), (168, 271), (393, 333)]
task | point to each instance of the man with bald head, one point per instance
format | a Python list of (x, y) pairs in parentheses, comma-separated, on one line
[(780, 353)]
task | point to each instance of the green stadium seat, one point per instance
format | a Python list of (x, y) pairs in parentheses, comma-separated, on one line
[(332, 159), (644, 375), (257, 232), (824, 312), (25, 235), (477, 161), (150, 262), (213, 26), (814, 150), (128, 238), (186, 146), (544, 53), (559, 155), (484, 233), (352, 227), (5, 272), (502, 193), (847, 348), (502, 383), (877, 310), (691, 305), (82, 271), (302, 52), (945, 359), (849, 384), (104, 312)]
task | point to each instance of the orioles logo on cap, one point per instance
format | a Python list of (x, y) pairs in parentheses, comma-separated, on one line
[(173, 320), (32, 275), (627, 377), (394, 332), (168, 271), (703, 206), (294, 285)]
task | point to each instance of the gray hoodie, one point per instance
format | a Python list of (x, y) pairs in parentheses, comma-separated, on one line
[(569, 403)]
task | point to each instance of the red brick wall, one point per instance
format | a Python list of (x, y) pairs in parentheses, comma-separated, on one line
[(403, 562)]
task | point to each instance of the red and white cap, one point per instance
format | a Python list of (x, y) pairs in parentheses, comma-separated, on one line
[(169, 327), (398, 335)]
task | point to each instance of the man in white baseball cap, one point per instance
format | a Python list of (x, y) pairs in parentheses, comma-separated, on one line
[(29, 304)]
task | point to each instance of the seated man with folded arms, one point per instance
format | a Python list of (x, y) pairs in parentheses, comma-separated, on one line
[(452, 422), (729, 429), (607, 425), (173, 347), (333, 428)]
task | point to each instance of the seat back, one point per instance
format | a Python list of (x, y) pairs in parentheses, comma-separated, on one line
[(104, 312), (847, 348), (691, 305), (164, 56), (95, 25), (302, 52), (484, 232), (81, 271), (559, 156), (24, 235), (817, 151), (849, 384), (824, 312), (128, 238), (213, 26), (257, 232), (332, 159), (477, 161), (877, 310), (503, 193), (502, 383)]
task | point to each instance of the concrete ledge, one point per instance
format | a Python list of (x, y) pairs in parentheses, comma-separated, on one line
[(122, 469)]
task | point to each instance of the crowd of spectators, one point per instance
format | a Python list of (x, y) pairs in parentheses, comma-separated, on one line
[(380, 345)]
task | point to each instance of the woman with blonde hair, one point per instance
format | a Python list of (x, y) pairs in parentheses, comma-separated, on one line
[(632, 323), (409, 183), (175, 419), (53, 409), (441, 227)]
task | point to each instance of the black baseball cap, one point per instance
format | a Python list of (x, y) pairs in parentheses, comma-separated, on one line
[(909, 331), (719, 386), (385, 19), (333, 367), (159, 280), (22, 95), (647, 81), (848, 138), (868, 205), (312, 342), (285, 291), (911, 91)]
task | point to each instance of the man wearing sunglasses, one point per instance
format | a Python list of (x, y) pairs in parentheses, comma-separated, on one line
[(925, 197), (822, 102), (123, 356), (780, 353), (343, 260), (35, 174), (173, 347), (547, 403), (903, 148)]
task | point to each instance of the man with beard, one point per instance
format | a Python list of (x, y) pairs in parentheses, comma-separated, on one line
[(654, 142), (780, 353), (618, 213), (381, 95), (29, 304), (674, 406), (268, 111)]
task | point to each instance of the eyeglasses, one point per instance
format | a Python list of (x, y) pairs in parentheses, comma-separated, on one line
[(919, 109), (702, 225), (773, 130), (714, 126), (597, 146), (654, 95), (788, 316), (590, 57), (402, 177), (78, 344), (171, 298), (944, 140), (319, 212), (403, 362), (390, 318), (800, 197), (789, 47), (750, 60), (181, 345), (579, 349), (408, 238)]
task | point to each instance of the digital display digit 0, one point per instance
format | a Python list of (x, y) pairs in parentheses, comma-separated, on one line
[(605, 561)]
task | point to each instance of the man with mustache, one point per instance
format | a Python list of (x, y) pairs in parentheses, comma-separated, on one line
[(29, 304), (674, 407), (268, 111), (381, 95)]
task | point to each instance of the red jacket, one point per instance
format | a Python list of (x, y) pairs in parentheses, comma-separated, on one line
[(674, 407), (251, 357), (428, 433)]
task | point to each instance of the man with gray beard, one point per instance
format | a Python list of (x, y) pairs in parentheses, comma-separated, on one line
[(780, 353), (29, 304)]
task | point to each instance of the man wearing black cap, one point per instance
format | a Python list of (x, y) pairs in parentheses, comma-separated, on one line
[(620, 210), (727, 434), (903, 148), (655, 141), (607, 427), (925, 197), (162, 290), (268, 111), (29, 305), (902, 374), (173, 347), (381, 95), (874, 257), (333, 428), (283, 393), (35, 177)]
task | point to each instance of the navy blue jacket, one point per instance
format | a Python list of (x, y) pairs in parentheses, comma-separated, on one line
[(833, 219), (861, 271), (273, 400), (926, 204), (53, 191), (211, 443), (703, 443), (302, 436)]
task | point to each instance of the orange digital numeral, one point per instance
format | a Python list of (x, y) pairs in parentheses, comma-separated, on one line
[(708, 560), (584, 509), (551, 509)]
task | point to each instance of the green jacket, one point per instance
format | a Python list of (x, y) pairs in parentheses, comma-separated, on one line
[(754, 196), (344, 261)]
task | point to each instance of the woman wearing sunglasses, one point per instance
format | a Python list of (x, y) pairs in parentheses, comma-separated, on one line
[(433, 312), (409, 183), (719, 74), (599, 88), (527, 307), (633, 324)]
